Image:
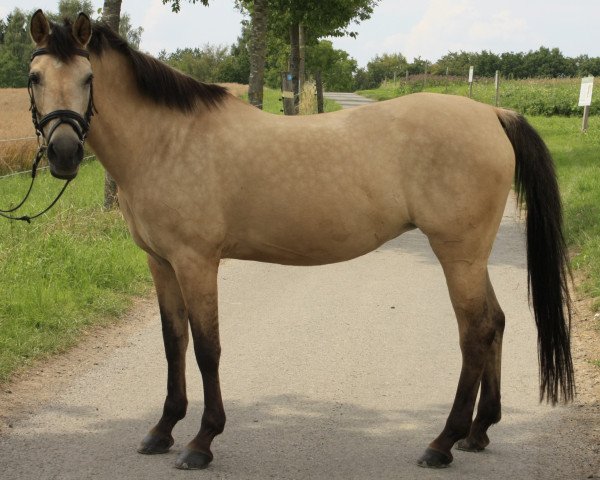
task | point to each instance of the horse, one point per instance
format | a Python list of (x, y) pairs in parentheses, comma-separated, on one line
[(203, 176)]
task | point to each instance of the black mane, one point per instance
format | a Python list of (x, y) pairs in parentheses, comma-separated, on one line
[(155, 80)]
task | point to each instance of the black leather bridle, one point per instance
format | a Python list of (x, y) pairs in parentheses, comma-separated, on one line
[(80, 124)]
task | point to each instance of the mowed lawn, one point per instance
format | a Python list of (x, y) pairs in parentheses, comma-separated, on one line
[(77, 265)]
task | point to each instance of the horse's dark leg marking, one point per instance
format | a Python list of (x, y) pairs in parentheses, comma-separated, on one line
[(489, 408), (467, 284), (199, 286), (174, 320)]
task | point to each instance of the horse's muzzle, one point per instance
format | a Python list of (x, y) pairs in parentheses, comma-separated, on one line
[(65, 153)]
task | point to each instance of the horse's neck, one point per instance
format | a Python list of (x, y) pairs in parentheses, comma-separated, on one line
[(125, 128)]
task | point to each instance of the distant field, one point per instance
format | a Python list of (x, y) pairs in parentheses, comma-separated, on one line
[(546, 97), (15, 123)]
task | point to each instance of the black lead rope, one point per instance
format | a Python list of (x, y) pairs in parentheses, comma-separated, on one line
[(28, 218)]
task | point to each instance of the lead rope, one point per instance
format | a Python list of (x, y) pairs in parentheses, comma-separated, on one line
[(28, 218)]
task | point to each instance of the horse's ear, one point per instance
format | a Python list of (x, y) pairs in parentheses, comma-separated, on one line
[(82, 29), (39, 28)]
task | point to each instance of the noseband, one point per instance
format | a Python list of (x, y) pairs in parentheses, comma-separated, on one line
[(79, 124)]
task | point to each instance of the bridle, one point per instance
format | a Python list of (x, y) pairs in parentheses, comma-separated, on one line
[(79, 124)]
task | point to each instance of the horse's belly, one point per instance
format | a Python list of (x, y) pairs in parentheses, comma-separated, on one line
[(310, 246)]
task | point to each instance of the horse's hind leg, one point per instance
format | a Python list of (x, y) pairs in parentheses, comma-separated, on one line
[(174, 320), (489, 408), (466, 276)]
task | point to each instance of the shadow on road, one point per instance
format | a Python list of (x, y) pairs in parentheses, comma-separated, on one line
[(285, 436)]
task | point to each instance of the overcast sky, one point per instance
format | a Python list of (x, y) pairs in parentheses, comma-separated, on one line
[(429, 28)]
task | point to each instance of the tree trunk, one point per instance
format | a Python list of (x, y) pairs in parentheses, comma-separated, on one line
[(258, 52), (111, 14), (302, 56), (295, 63)]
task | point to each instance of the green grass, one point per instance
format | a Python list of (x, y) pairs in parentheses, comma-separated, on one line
[(71, 268), (578, 166), (547, 97)]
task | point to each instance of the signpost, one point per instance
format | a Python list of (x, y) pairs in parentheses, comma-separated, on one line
[(471, 70), (497, 86), (585, 99)]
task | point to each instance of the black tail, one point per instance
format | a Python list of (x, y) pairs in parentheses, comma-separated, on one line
[(547, 260)]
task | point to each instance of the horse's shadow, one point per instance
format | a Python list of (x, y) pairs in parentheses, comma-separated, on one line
[(284, 436)]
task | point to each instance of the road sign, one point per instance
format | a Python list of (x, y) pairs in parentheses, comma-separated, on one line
[(471, 69), (585, 94)]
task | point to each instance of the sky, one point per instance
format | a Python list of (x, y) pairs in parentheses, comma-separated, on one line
[(429, 28)]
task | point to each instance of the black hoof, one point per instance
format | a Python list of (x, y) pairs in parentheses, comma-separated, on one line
[(473, 445), (193, 460), (434, 459), (154, 444)]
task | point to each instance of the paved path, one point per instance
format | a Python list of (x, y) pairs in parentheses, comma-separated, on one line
[(344, 371), (348, 100)]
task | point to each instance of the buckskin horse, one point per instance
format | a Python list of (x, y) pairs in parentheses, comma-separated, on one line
[(200, 179)]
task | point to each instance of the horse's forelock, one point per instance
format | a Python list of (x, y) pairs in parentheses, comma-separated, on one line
[(61, 42)]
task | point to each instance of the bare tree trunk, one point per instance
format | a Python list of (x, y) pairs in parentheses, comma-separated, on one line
[(302, 56), (111, 14), (295, 63), (258, 52)]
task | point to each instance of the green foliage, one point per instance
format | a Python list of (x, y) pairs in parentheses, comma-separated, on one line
[(15, 49), (336, 66), (16, 45), (176, 4), (73, 267)]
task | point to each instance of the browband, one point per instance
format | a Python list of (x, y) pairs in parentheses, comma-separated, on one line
[(44, 51)]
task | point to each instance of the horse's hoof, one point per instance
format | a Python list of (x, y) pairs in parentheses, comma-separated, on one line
[(154, 444), (434, 459), (193, 460), (472, 445)]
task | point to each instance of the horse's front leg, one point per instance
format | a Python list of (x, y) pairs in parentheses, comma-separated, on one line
[(174, 320), (198, 281)]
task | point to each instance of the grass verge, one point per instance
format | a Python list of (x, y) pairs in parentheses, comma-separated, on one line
[(576, 158), (71, 268)]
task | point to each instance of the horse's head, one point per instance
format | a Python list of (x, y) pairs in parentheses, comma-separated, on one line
[(60, 87)]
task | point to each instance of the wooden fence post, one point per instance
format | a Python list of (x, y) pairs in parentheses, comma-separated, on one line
[(287, 93)]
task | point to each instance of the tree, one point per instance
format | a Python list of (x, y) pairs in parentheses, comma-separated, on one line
[(336, 66), (319, 19), (15, 50), (258, 51), (111, 13)]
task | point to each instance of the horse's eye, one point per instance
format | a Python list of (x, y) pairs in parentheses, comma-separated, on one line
[(34, 78), (88, 80)]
